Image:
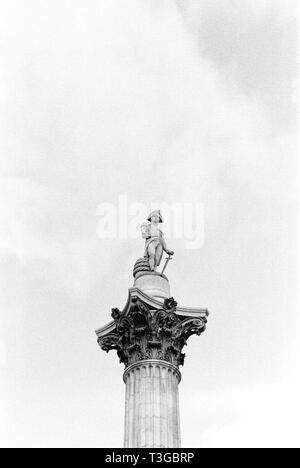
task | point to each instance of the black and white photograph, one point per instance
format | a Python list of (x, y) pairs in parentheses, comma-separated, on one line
[(149, 226)]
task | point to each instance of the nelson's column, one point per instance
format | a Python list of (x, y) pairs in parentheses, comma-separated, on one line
[(149, 335)]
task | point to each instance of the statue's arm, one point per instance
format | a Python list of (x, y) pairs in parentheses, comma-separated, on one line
[(145, 231), (164, 244)]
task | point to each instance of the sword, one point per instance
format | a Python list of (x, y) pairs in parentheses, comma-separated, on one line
[(166, 264)]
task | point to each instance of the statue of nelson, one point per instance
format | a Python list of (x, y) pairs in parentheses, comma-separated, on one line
[(155, 242)]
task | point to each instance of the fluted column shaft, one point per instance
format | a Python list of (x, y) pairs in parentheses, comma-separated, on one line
[(152, 407)]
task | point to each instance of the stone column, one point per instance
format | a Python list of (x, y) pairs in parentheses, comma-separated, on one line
[(149, 335), (152, 405)]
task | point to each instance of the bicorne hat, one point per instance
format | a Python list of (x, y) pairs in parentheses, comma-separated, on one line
[(156, 212)]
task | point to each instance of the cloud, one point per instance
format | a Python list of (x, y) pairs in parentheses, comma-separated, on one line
[(254, 46), (101, 99), (2, 354), (256, 417)]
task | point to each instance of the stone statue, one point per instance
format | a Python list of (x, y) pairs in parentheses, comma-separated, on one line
[(155, 242)]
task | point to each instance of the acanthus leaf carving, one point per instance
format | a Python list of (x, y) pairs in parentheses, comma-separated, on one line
[(170, 304), (189, 327), (141, 333), (109, 342)]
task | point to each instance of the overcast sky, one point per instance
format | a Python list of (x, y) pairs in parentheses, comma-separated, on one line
[(161, 101)]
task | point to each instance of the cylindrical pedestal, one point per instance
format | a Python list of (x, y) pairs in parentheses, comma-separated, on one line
[(153, 284), (152, 407)]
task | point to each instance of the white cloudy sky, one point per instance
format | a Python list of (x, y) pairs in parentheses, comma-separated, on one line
[(163, 101)]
